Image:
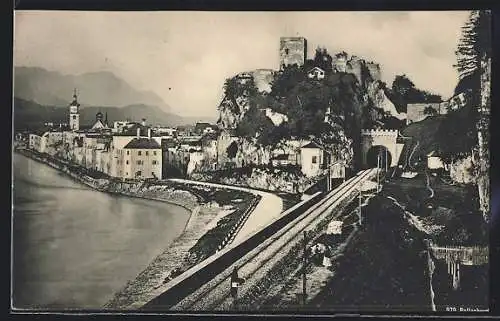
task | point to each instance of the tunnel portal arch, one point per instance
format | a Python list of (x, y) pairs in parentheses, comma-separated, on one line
[(374, 141), (376, 152)]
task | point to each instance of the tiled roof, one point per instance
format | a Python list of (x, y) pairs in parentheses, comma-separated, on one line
[(142, 143), (312, 145)]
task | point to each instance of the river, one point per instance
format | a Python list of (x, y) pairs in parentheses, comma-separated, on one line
[(73, 246)]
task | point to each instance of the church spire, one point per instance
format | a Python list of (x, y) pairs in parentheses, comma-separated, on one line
[(106, 120), (75, 97)]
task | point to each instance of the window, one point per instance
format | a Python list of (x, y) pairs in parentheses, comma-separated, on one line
[(138, 173), (315, 159), (128, 152), (127, 162), (139, 162), (74, 117), (147, 153), (286, 51), (154, 153), (139, 153), (154, 162)]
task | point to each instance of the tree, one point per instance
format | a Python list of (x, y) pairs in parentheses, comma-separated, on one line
[(403, 92), (474, 60), (430, 111), (323, 60)]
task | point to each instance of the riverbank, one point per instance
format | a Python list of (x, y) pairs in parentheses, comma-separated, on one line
[(136, 189), (73, 246), (216, 213)]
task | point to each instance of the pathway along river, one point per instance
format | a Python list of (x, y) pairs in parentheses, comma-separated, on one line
[(73, 246)]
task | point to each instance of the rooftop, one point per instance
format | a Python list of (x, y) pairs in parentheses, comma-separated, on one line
[(312, 145), (142, 143)]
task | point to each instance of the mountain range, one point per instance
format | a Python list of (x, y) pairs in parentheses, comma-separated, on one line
[(41, 96)]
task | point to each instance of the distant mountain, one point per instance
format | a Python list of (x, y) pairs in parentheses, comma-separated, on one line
[(52, 88), (30, 115)]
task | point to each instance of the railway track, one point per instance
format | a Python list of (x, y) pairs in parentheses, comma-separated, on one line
[(215, 296)]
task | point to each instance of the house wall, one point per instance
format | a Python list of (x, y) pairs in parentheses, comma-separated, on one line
[(147, 161), (309, 168), (37, 143), (434, 162), (195, 162)]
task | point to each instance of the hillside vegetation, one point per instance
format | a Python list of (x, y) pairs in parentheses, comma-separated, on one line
[(332, 110)]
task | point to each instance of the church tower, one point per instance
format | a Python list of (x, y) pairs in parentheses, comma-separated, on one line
[(74, 113)]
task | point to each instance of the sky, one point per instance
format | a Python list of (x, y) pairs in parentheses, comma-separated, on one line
[(185, 57)]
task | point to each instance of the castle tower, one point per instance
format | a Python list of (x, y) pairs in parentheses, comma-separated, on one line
[(74, 113), (293, 50)]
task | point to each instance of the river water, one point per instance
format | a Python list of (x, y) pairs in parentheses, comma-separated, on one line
[(73, 246)]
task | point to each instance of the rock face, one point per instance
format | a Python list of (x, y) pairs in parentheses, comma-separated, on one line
[(263, 79), (278, 180), (380, 100), (231, 111)]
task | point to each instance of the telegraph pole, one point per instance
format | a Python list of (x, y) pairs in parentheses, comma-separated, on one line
[(378, 170), (386, 160), (304, 289), (360, 199)]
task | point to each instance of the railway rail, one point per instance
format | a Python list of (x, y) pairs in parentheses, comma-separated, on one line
[(214, 295)]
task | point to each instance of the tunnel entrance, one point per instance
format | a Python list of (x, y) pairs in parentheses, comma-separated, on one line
[(378, 151)]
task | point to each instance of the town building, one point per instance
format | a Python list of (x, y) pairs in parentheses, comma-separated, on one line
[(204, 128), (283, 160), (316, 73), (420, 111), (314, 159), (38, 141), (293, 51), (100, 124), (119, 157), (209, 150), (417, 112), (142, 158), (119, 125), (435, 162)]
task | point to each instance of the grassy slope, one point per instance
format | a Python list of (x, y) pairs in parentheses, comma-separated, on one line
[(423, 132), (383, 267)]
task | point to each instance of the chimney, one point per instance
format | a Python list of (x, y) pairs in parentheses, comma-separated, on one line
[(149, 132), (138, 132), (143, 122)]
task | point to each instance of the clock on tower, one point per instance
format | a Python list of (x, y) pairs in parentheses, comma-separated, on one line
[(74, 116)]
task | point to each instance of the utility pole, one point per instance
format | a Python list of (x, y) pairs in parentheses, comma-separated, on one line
[(378, 169), (386, 160), (304, 289), (360, 199)]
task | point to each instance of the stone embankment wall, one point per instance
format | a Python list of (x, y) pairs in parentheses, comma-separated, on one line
[(149, 190)]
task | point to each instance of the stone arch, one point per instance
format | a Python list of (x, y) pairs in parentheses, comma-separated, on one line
[(378, 151), (381, 140)]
